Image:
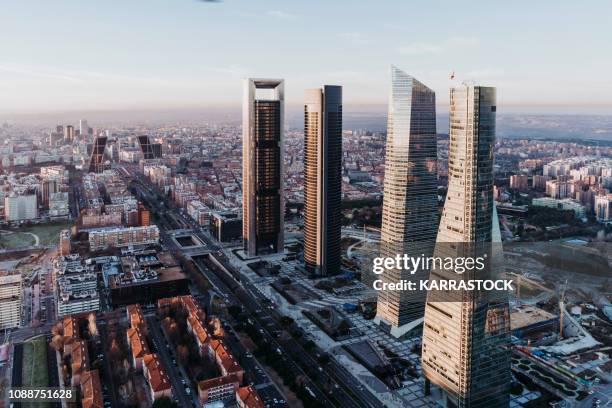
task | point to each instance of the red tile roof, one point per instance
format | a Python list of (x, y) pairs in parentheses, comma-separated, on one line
[(79, 357), (138, 345), (157, 377), (90, 390), (249, 397)]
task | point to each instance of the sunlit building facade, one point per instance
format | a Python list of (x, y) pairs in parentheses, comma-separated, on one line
[(465, 333), (322, 180), (262, 161), (409, 214)]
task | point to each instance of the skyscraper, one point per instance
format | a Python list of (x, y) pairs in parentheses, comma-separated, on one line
[(149, 150), (262, 166), (96, 161), (409, 214), (68, 134), (322, 180), (83, 128), (465, 332)]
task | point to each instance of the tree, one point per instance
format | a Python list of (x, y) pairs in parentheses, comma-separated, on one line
[(286, 321), (164, 402)]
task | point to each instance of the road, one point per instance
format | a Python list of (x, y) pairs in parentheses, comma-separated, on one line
[(343, 386), (294, 357), (174, 373)]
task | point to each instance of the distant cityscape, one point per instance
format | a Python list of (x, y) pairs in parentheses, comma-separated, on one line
[(220, 264)]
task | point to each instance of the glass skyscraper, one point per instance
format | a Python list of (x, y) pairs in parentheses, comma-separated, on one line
[(465, 333), (322, 180), (409, 214), (262, 166)]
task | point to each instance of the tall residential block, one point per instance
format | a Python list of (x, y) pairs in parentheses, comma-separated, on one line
[(322, 180), (465, 333), (262, 166), (10, 301), (409, 214)]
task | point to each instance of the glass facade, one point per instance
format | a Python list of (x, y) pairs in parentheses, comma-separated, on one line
[(465, 334), (409, 214), (323, 180), (263, 206)]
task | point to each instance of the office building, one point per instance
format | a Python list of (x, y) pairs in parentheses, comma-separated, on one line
[(262, 160), (322, 180), (149, 150), (465, 332), (96, 162), (83, 128), (409, 214)]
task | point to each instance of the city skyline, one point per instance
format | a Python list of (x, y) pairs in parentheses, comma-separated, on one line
[(282, 204), (532, 68)]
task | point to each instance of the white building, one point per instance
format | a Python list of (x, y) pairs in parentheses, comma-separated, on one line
[(20, 207), (603, 208), (59, 205), (199, 212), (564, 204), (76, 288), (10, 301)]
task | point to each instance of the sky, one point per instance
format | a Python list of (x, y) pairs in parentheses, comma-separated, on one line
[(65, 55)]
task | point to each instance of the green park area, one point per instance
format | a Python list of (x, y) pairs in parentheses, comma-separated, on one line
[(34, 372), (27, 236)]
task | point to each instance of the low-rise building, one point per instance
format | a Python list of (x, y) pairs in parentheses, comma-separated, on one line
[(123, 237), (156, 377), (564, 204)]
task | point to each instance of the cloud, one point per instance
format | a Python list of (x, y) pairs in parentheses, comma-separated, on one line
[(446, 45), (356, 38), (281, 15)]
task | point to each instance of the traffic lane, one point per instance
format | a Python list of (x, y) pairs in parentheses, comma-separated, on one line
[(159, 342), (296, 348), (290, 364)]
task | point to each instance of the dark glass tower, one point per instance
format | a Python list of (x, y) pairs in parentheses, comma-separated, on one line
[(322, 180), (262, 161), (96, 162)]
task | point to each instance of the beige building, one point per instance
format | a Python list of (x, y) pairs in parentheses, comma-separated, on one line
[(465, 332)]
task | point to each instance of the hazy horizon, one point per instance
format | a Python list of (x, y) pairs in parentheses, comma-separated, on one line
[(75, 56)]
